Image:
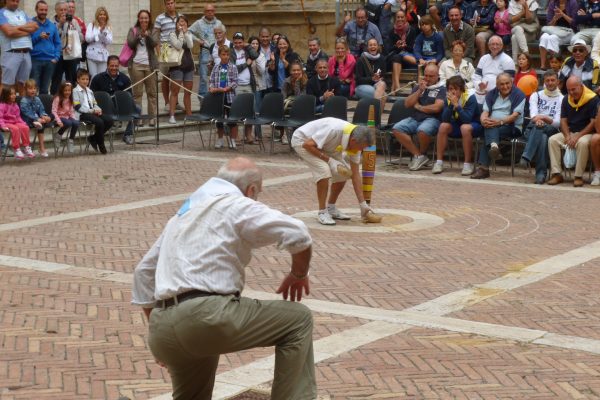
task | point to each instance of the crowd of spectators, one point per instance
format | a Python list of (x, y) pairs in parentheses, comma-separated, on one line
[(470, 40)]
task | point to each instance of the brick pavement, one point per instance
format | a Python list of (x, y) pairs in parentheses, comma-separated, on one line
[(70, 335)]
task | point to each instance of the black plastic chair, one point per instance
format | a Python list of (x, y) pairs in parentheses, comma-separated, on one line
[(271, 112), (105, 102), (336, 107), (397, 113), (361, 114), (302, 112), (242, 109), (126, 107), (210, 109)]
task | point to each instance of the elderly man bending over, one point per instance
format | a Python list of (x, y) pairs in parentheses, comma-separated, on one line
[(326, 145), (191, 280)]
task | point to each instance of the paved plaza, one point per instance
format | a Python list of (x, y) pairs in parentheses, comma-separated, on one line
[(467, 290)]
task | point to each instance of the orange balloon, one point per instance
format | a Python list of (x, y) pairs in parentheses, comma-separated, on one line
[(528, 84)]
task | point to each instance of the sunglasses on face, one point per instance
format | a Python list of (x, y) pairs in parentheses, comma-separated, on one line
[(579, 50)]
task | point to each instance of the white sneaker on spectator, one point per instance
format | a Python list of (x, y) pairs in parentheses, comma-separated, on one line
[(418, 162), (19, 154), (29, 152), (596, 179), (232, 144), (43, 154), (325, 219), (37, 124), (337, 214), (468, 169), (437, 168), (70, 146), (284, 139), (219, 143), (56, 137), (172, 120)]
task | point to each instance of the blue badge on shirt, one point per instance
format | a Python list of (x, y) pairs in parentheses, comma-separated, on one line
[(184, 208)]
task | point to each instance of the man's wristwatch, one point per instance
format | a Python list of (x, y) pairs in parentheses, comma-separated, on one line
[(501, 122)]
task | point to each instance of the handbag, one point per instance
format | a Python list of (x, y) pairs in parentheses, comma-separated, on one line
[(374, 11), (72, 50), (170, 56), (126, 52)]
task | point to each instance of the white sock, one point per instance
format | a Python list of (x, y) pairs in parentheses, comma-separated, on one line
[(439, 162), (323, 211), (467, 164), (330, 206)]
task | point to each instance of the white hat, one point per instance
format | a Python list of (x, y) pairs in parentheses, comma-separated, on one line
[(580, 42)]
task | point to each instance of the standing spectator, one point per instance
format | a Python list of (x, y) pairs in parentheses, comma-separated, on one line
[(87, 110), (34, 114), (482, 20), (220, 40), (266, 48), (429, 45), (143, 62), (322, 86), (427, 100), (223, 79), (72, 12), (502, 22), (559, 28), (204, 34), (280, 61), (244, 57), (457, 29), (64, 115), (369, 73), (384, 22), (341, 66), (15, 43), (580, 64), (577, 123), (315, 53), (163, 26), (10, 121), (259, 70), (70, 33), (46, 50), (358, 32), (182, 74), (490, 66), (401, 47), (502, 117), (98, 36), (110, 81), (544, 107), (457, 65), (525, 24)]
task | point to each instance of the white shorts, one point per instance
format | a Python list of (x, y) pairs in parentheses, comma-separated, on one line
[(319, 168)]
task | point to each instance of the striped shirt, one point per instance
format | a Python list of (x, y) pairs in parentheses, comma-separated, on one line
[(165, 25), (208, 243)]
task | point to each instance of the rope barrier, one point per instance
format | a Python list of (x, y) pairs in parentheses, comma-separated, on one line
[(399, 89), (141, 80)]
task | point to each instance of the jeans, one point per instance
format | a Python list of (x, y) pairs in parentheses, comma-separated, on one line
[(203, 72), (41, 73), (71, 123), (493, 135), (129, 128), (536, 149)]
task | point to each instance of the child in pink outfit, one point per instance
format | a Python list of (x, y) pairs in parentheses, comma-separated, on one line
[(10, 121), (502, 22), (64, 115)]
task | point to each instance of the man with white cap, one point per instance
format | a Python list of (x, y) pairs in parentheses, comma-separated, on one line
[(327, 145), (581, 65)]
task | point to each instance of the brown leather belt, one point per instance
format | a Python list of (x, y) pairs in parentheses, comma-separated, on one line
[(192, 294), (18, 50)]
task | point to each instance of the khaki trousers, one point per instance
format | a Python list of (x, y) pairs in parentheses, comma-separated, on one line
[(582, 149), (138, 72), (190, 336)]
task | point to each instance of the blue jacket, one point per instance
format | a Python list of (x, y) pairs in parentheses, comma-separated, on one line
[(516, 96), (31, 109), (467, 114), (46, 49)]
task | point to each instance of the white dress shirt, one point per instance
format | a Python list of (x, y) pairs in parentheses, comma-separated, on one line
[(208, 243)]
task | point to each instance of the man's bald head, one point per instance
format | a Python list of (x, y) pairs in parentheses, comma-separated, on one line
[(243, 173), (574, 87)]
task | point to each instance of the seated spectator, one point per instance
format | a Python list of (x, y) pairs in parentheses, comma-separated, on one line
[(577, 124), (88, 111), (280, 62), (411, 9), (439, 12), (223, 79), (294, 85), (460, 119), (429, 45), (580, 64), (525, 24), (544, 107), (401, 47), (427, 99), (11, 122), (34, 114), (587, 20), (457, 29), (369, 73), (556, 62), (322, 86), (490, 66), (482, 20), (64, 116), (595, 153), (502, 25), (524, 68), (182, 74), (457, 65), (502, 117), (558, 31), (99, 36), (110, 81), (358, 32), (341, 66), (315, 53)]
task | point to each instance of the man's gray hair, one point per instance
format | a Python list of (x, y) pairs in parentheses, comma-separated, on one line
[(241, 178), (59, 3), (363, 135), (504, 75), (220, 26)]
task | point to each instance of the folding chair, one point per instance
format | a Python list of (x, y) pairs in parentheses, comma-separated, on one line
[(242, 109), (361, 113), (6, 145), (210, 109), (336, 107), (271, 112), (302, 111), (397, 113), (126, 108)]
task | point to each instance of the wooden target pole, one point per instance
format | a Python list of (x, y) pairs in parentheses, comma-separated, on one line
[(369, 158)]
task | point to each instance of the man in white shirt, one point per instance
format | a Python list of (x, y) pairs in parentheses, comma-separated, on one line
[(190, 282), (490, 66), (326, 145)]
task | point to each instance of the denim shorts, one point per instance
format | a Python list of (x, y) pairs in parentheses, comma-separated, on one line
[(179, 75), (477, 129), (411, 126)]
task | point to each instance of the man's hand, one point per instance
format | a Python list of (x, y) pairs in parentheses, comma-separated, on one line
[(572, 140), (364, 209), (333, 165), (292, 287)]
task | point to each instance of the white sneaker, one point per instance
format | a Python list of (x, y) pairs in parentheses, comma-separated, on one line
[(325, 219), (43, 154), (494, 152), (219, 144), (37, 124), (232, 144), (437, 168), (56, 137), (29, 152), (596, 179), (284, 139), (337, 214), (172, 120), (19, 154), (418, 162), (467, 169), (70, 146)]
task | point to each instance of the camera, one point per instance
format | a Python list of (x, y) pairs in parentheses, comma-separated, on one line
[(69, 18)]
